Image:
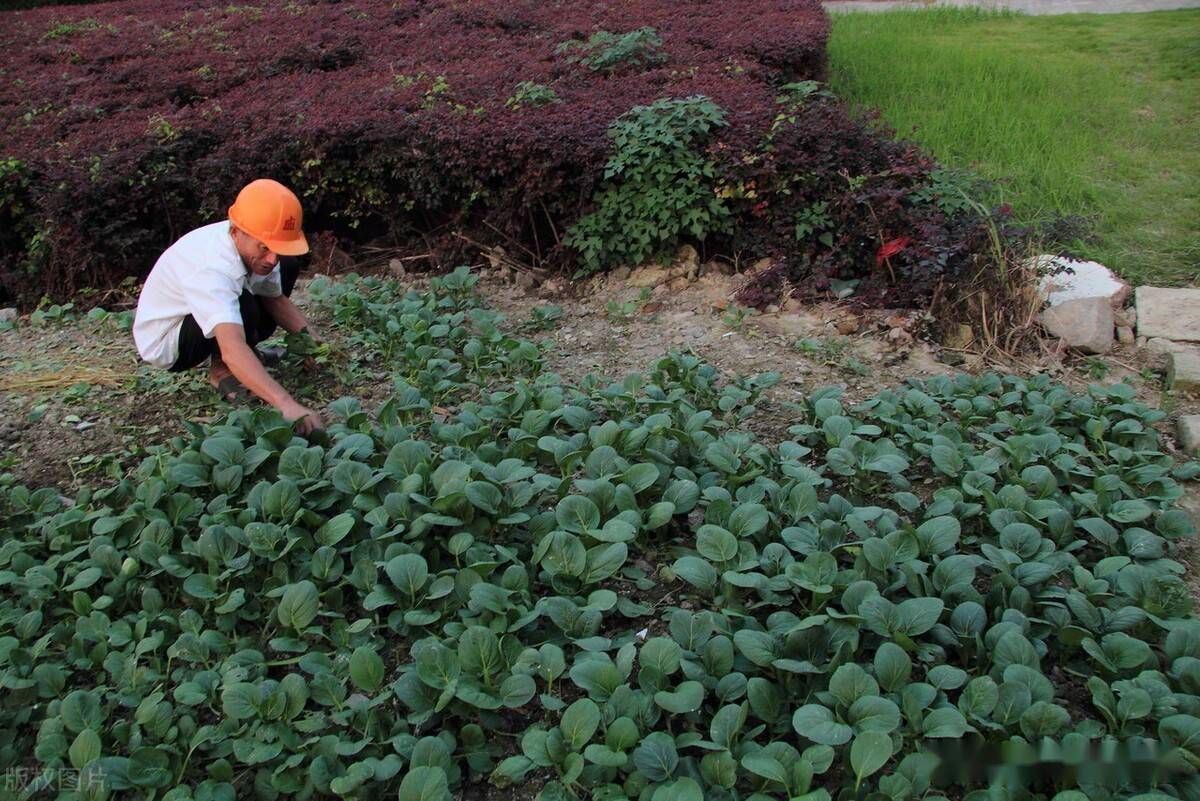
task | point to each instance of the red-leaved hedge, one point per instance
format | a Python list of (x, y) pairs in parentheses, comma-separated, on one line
[(126, 124)]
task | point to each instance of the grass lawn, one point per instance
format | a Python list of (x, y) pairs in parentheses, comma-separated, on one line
[(1097, 115)]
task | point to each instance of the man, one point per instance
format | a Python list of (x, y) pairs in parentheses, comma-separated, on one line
[(222, 289)]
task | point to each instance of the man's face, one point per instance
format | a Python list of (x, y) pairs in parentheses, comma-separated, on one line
[(258, 258)]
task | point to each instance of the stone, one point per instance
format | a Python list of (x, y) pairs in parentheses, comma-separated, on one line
[(960, 337), (555, 286), (1065, 279), (687, 258), (760, 265), (495, 256), (718, 267), (1085, 324), (1141, 342), (8, 315), (1125, 335), (1190, 502), (847, 325), (1125, 316), (621, 273), (526, 281), (396, 268), (1188, 427), (772, 309), (646, 276), (1168, 313), (1161, 346), (1183, 372), (678, 284)]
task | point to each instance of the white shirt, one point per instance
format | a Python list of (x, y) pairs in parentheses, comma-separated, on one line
[(203, 275)]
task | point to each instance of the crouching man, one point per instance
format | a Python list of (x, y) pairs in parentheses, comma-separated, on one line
[(222, 289)]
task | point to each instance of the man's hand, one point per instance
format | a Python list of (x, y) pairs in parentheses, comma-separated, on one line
[(307, 421), (246, 367)]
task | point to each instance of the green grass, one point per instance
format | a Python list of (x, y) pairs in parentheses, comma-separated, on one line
[(1095, 115)]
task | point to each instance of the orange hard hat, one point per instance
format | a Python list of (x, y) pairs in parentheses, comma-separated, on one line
[(270, 212)]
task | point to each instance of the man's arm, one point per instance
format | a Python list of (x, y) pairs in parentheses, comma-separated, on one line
[(245, 366), (284, 312)]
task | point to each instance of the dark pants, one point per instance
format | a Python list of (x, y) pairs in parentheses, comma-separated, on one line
[(259, 325)]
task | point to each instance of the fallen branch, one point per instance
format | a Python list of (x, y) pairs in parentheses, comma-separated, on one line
[(504, 258)]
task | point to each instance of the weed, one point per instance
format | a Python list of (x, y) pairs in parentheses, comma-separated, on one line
[(815, 219), (64, 29), (623, 310), (735, 318), (833, 352), (658, 187), (544, 318), (1097, 368), (607, 52), (531, 94), (48, 312)]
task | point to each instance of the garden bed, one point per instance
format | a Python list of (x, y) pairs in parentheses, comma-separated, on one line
[(977, 560)]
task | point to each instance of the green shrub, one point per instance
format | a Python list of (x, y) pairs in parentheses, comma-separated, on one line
[(659, 186), (608, 52)]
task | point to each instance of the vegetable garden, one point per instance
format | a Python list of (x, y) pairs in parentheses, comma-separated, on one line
[(609, 590)]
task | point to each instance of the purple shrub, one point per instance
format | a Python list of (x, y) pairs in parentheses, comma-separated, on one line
[(126, 124)]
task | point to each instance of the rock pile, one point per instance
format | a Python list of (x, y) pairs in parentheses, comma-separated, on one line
[(1086, 310), (1168, 321)]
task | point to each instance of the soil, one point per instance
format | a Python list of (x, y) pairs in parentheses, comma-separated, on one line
[(98, 408)]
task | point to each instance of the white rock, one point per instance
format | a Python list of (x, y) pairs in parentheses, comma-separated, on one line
[(1064, 279), (1083, 323), (1168, 313), (1188, 427), (8, 315)]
